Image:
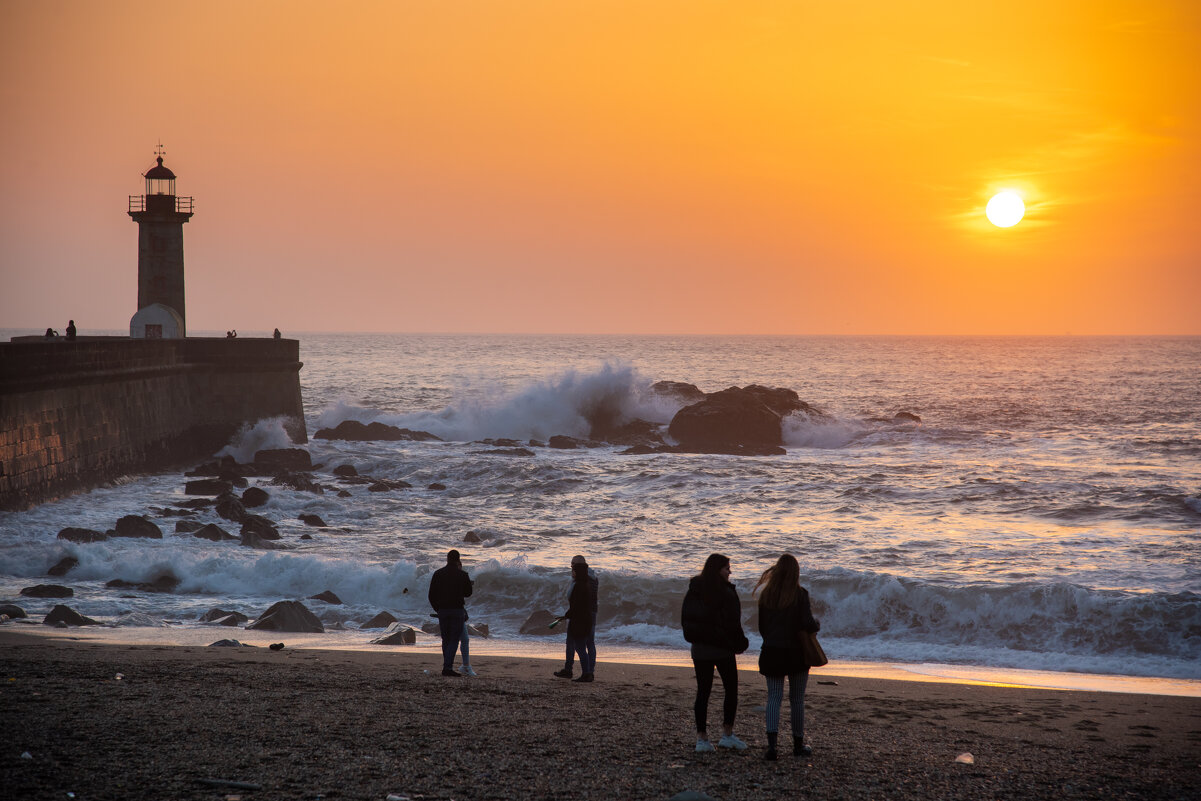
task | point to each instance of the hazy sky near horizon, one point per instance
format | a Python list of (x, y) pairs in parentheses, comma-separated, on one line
[(651, 166)]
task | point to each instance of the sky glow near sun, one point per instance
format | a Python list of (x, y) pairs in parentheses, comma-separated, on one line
[(657, 166)]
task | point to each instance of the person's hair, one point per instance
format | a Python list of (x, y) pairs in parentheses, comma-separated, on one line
[(711, 572), (579, 571), (781, 583), (452, 557)]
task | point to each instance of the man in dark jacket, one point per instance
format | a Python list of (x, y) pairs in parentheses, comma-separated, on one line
[(448, 587)]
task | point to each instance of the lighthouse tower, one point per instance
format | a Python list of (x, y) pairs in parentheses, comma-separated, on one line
[(160, 216)]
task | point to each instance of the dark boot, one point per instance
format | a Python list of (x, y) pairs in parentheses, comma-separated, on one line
[(565, 673), (584, 677), (799, 748), (770, 754)]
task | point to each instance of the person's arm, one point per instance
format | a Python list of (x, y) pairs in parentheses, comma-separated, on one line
[(468, 585), (432, 595), (807, 621)]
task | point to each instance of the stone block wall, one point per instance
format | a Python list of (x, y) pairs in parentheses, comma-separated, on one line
[(75, 414)]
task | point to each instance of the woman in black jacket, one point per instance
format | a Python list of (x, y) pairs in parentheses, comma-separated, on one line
[(579, 618), (784, 615), (712, 620)]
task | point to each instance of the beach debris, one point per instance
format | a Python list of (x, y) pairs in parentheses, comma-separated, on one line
[(691, 795), (965, 758), (119, 676), (26, 755), (396, 797), (231, 784), (276, 646), (831, 683), (288, 616), (230, 644)]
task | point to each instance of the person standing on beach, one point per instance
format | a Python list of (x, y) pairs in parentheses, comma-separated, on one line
[(580, 618), (590, 643), (712, 621), (448, 587), (784, 617)]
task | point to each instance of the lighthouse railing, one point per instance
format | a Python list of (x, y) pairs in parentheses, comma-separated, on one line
[(137, 203)]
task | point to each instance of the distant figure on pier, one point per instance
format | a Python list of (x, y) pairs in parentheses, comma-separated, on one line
[(231, 334), (51, 333), (277, 334), (71, 329)]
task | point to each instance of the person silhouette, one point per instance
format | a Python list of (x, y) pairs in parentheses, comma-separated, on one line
[(71, 329)]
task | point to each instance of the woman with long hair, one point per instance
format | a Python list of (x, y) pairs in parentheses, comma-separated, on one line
[(784, 617), (712, 621)]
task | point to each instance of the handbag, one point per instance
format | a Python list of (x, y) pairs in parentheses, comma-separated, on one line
[(811, 649)]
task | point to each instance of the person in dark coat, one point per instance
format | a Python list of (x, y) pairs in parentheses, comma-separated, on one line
[(784, 616), (71, 331), (590, 645), (580, 619), (712, 621), (448, 587)]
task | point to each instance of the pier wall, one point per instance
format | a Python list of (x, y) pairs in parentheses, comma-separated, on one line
[(76, 414)]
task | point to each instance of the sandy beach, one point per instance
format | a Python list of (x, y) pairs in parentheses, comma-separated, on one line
[(107, 721)]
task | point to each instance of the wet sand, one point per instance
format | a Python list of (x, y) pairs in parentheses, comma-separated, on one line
[(308, 724)]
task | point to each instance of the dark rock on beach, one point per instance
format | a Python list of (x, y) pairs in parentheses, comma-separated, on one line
[(380, 621), (312, 520), (13, 611), (48, 591), (82, 535), (223, 617), (328, 596), (288, 616), (397, 635), (355, 431), (66, 615)]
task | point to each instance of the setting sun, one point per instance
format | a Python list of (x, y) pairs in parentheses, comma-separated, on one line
[(1005, 210)]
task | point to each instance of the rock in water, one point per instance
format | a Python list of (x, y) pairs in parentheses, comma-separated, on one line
[(260, 526), (223, 617), (255, 497), (138, 526), (380, 621), (63, 567), (537, 623), (283, 459), (48, 591), (13, 611), (312, 520), (72, 534), (211, 531), (328, 596), (397, 635), (207, 486), (288, 616)]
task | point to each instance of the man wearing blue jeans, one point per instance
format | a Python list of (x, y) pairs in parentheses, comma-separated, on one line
[(448, 587), (590, 643)]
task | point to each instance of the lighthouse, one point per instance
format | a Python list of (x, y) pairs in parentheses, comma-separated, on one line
[(160, 215)]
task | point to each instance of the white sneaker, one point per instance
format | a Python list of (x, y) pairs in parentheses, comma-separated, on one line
[(702, 746), (730, 741), (467, 671)]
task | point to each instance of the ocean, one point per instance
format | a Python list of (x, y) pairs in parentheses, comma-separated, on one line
[(1045, 514)]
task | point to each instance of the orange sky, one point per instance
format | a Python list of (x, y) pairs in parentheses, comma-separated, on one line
[(611, 167)]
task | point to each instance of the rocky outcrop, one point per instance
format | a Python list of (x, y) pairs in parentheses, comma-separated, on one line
[(678, 390), (48, 591), (12, 611), (188, 526), (288, 616), (260, 527), (345, 471), (328, 596), (355, 431), (137, 526), (251, 540), (298, 481), (737, 420), (165, 582), (82, 535), (66, 616), (230, 508), (312, 520)]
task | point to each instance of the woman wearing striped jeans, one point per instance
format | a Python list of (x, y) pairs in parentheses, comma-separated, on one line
[(784, 613)]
